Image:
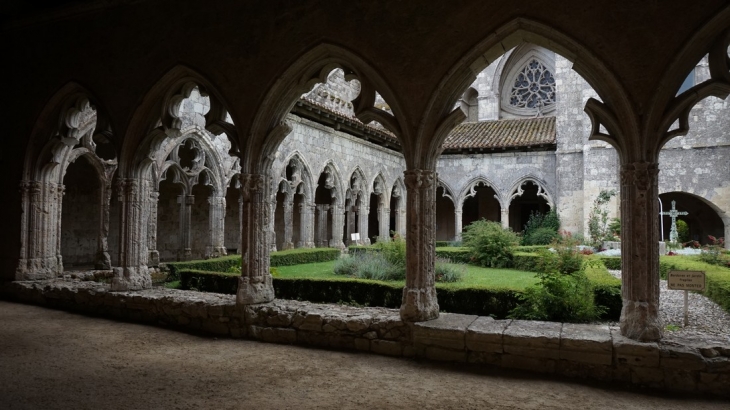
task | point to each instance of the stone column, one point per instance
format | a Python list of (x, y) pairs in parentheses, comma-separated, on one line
[(133, 273), (350, 227), (338, 224), (640, 251), (216, 227), (103, 260), (22, 268), (186, 210), (288, 222), (38, 250), (400, 222), (57, 191), (271, 228), (363, 225), (240, 223), (505, 216), (306, 230), (419, 294), (458, 221), (384, 223), (726, 221), (154, 254), (255, 284), (322, 231)]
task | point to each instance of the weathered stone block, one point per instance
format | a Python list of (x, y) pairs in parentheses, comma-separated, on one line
[(386, 347), (714, 383), (584, 370), (532, 339), (586, 344), (484, 358), (362, 344), (277, 335), (215, 327), (311, 322), (647, 376), (681, 380), (448, 331), (359, 323), (633, 353), (681, 357), (485, 334)]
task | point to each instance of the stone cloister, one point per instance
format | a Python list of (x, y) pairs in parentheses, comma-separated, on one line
[(118, 168)]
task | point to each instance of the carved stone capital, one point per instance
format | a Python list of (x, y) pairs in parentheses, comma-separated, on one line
[(641, 175), (419, 179)]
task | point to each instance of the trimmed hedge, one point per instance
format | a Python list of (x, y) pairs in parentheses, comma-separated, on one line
[(204, 281), (531, 248), (606, 288), (303, 255), (443, 244), (717, 277), (612, 262), (525, 261), (456, 255), (281, 258)]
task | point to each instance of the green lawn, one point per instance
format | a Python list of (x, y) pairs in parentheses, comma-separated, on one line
[(474, 277)]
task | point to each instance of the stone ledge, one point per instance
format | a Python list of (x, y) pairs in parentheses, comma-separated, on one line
[(582, 351)]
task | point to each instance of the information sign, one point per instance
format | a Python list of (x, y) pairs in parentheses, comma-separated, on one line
[(686, 280)]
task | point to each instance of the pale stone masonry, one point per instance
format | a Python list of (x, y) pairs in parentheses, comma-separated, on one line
[(582, 351)]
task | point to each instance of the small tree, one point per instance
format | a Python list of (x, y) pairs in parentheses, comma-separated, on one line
[(491, 245), (541, 229), (598, 218)]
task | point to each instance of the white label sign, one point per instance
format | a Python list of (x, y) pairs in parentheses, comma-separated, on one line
[(355, 236), (686, 280)]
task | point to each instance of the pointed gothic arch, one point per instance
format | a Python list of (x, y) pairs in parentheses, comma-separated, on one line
[(527, 196)]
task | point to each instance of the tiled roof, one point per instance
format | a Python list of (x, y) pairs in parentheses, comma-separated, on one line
[(511, 133), (373, 128)]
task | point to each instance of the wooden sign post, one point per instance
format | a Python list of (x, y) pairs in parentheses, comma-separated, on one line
[(686, 280)]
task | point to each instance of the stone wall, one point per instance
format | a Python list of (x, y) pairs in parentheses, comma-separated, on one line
[(596, 352), (80, 215)]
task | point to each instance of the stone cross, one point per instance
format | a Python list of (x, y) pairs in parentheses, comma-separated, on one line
[(673, 235)]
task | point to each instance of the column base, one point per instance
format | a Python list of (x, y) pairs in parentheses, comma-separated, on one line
[(131, 278), (334, 243), (103, 261), (251, 293), (37, 269), (640, 321), (419, 305), (215, 252), (153, 258)]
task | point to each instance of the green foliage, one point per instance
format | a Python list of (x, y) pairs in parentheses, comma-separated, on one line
[(612, 262), (448, 272), (456, 255), (384, 261), (564, 294), (541, 229), (394, 252), (614, 229), (714, 253), (598, 218), (303, 255), (491, 245), (682, 231), (717, 277), (222, 264)]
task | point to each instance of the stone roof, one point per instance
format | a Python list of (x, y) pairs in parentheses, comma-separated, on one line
[(512, 133)]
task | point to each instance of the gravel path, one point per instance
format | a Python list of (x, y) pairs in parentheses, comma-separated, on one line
[(707, 320), (51, 359)]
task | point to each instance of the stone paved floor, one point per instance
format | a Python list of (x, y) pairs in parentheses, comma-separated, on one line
[(57, 360)]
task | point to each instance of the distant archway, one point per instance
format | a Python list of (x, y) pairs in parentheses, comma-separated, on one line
[(702, 217)]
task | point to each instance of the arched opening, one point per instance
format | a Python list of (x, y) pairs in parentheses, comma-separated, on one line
[(374, 217), (298, 205), (81, 215), (169, 204), (701, 219), (200, 219), (395, 221), (324, 202), (282, 201), (470, 105), (528, 199), (232, 235), (445, 212), (481, 203)]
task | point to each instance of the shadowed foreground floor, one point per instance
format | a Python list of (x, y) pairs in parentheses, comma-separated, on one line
[(57, 360)]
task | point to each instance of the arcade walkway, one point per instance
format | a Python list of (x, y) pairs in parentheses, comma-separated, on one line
[(56, 360)]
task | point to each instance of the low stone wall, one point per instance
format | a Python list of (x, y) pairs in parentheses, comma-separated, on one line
[(574, 350)]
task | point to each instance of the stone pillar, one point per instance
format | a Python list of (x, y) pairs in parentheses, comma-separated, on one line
[(400, 222), (255, 284), (306, 230), (458, 221), (338, 224), (384, 223), (726, 221), (288, 222), (57, 205), (363, 226), (154, 254), (419, 294), (103, 260), (22, 268), (271, 228), (640, 251), (39, 259), (322, 227), (505, 216), (133, 273), (240, 223), (186, 209), (216, 227), (350, 227)]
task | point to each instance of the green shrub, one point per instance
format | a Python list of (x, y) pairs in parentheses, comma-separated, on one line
[(491, 245), (346, 265), (222, 264), (444, 244), (393, 251), (526, 261), (303, 255), (612, 262), (446, 271), (456, 255), (564, 293), (377, 267), (530, 248), (541, 229)]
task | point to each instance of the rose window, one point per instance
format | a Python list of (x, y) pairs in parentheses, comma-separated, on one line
[(534, 87)]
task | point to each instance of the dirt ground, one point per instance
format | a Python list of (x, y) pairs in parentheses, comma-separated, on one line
[(57, 360)]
